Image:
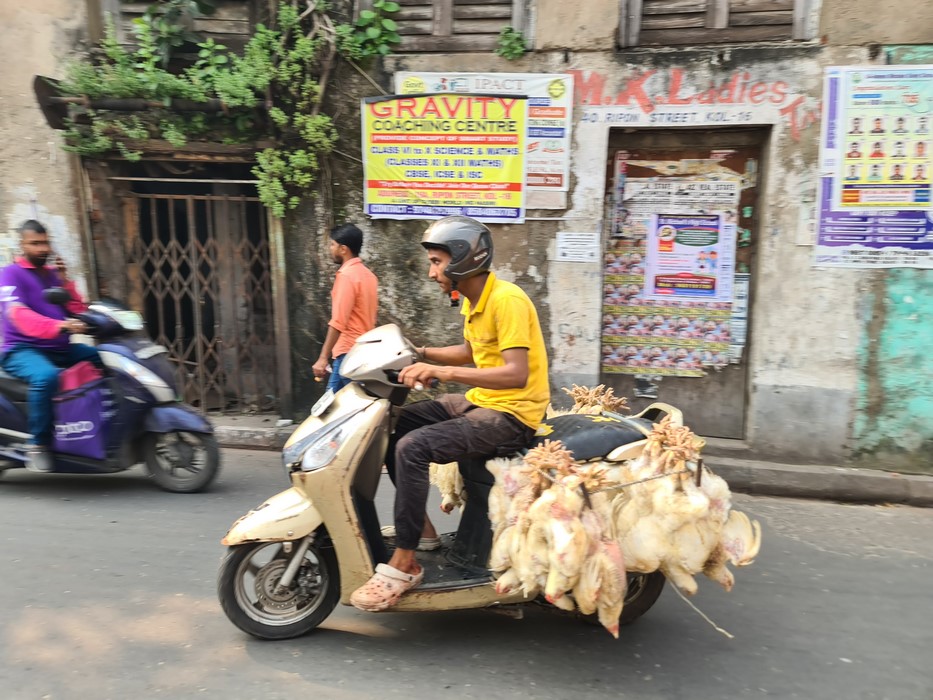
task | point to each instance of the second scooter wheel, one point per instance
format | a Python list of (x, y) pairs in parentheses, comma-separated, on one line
[(182, 462)]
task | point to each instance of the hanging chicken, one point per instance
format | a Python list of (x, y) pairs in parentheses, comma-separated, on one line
[(449, 482), (675, 525), (570, 531)]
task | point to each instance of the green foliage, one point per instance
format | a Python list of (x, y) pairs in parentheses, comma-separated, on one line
[(512, 44), (376, 31), (170, 22), (281, 67), (296, 117)]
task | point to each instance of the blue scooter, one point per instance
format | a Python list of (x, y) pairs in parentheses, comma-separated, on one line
[(132, 414)]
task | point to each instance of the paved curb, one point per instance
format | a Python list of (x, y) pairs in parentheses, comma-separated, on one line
[(270, 438), (828, 483), (745, 476)]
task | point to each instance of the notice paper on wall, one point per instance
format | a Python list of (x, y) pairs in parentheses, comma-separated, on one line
[(578, 247)]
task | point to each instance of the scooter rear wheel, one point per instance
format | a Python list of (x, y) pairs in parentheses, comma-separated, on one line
[(249, 592), (182, 462)]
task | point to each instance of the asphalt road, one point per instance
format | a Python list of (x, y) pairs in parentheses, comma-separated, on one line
[(108, 592)]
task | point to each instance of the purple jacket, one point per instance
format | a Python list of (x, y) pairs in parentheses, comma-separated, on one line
[(24, 285)]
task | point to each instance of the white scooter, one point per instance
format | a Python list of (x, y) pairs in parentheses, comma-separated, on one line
[(292, 559)]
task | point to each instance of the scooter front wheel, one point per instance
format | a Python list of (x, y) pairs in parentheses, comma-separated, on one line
[(250, 594), (182, 462)]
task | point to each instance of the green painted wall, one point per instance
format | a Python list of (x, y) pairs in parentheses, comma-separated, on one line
[(894, 414), (893, 425)]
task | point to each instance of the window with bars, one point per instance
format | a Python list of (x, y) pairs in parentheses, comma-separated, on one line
[(678, 22), (453, 26)]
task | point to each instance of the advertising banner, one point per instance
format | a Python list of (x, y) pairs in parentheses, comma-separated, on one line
[(550, 114), (883, 123), (429, 156), (892, 225)]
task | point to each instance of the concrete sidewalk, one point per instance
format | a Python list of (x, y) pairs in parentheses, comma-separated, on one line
[(744, 475)]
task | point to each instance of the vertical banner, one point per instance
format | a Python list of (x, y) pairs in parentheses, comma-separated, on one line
[(429, 156), (884, 119), (550, 114), (875, 166)]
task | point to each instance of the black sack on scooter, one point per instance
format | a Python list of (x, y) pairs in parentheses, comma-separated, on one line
[(591, 436)]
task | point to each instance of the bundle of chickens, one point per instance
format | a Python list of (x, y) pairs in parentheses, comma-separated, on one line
[(573, 531)]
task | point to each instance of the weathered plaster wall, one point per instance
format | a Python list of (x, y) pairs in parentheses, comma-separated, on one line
[(871, 22), (583, 26), (809, 358), (36, 176), (391, 249), (804, 326), (805, 329)]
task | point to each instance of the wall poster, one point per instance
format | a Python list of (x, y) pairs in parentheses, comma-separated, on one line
[(550, 114), (689, 256), (667, 308), (876, 168), (429, 156)]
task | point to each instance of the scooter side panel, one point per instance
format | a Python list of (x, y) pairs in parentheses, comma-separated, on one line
[(166, 419), (288, 515)]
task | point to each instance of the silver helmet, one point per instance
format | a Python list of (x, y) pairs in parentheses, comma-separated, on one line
[(467, 240)]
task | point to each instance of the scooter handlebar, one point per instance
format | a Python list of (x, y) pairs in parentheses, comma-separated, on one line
[(392, 376)]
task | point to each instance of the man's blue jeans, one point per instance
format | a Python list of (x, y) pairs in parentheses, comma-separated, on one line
[(40, 369), (336, 382)]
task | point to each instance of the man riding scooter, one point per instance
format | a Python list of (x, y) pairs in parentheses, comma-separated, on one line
[(36, 345), (498, 416)]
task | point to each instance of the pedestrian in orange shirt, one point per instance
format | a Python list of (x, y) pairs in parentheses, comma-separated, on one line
[(353, 303)]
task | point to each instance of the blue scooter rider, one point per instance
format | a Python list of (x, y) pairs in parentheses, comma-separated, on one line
[(36, 346)]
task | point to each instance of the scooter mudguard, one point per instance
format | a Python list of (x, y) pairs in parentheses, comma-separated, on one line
[(176, 416), (288, 515)]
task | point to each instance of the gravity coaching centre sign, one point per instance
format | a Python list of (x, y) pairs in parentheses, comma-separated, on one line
[(429, 156)]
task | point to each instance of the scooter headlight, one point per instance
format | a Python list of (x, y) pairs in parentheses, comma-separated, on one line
[(318, 449), (149, 379), (321, 452)]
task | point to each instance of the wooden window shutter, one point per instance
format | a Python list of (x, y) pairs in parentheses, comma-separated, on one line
[(680, 22), (454, 26), (231, 24)]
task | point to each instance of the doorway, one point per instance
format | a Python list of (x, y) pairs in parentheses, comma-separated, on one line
[(199, 269), (679, 270)]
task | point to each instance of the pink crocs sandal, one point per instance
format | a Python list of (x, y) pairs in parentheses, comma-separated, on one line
[(384, 589)]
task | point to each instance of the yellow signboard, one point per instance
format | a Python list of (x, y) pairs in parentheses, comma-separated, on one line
[(428, 156)]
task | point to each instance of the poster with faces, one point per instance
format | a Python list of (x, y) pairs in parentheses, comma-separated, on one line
[(882, 122)]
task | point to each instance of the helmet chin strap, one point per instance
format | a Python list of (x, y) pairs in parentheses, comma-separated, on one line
[(454, 295)]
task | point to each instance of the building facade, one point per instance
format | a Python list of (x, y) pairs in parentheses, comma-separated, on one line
[(710, 98)]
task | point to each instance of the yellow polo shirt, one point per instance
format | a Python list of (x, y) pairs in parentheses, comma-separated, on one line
[(505, 318)]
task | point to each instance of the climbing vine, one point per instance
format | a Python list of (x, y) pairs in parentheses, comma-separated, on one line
[(274, 89)]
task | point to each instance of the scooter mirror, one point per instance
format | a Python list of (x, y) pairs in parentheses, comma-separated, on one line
[(56, 295)]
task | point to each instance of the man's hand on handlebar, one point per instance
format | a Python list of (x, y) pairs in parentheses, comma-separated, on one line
[(73, 325), (420, 375)]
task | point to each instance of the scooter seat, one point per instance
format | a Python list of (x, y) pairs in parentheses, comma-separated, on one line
[(13, 388), (591, 437)]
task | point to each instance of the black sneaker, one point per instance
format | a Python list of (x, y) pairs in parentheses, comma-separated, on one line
[(39, 460)]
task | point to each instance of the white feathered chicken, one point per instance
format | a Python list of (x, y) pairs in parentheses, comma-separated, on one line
[(675, 525), (449, 482)]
